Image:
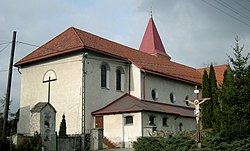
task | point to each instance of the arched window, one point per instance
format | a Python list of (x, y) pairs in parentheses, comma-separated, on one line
[(119, 79), (105, 75)]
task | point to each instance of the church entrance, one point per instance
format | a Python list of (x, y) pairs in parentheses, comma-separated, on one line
[(99, 122)]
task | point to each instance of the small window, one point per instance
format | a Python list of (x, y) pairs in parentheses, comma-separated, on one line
[(186, 98), (172, 97), (154, 94), (151, 120), (47, 119), (165, 122), (180, 127), (129, 120)]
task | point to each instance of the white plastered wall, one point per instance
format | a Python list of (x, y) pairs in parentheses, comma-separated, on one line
[(65, 91), (165, 86), (123, 135), (173, 122), (135, 81)]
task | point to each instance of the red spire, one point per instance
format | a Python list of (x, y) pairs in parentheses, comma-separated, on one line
[(151, 42)]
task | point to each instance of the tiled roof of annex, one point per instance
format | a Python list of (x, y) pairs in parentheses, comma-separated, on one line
[(74, 39), (219, 73), (129, 104)]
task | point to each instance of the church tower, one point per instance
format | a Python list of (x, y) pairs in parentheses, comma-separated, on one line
[(151, 42)]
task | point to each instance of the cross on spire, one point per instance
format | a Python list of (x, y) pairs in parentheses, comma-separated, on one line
[(151, 12)]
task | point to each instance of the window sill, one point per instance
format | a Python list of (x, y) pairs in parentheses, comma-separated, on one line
[(105, 88), (120, 91)]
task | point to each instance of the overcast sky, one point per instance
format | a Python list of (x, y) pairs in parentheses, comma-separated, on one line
[(194, 32)]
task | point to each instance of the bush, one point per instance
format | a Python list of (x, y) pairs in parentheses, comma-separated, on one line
[(31, 144), (5, 145), (177, 143), (184, 141)]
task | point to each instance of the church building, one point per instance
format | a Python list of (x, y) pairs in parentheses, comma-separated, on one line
[(98, 83)]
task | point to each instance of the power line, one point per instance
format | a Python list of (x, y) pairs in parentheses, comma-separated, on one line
[(4, 47), (236, 1), (5, 43), (20, 42), (232, 9), (7, 70), (29, 44), (225, 13)]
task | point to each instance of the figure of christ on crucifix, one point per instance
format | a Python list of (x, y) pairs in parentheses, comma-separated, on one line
[(196, 104)]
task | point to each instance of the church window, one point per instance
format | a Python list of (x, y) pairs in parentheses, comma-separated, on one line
[(180, 127), (186, 98), (105, 75), (154, 94), (151, 120), (165, 121), (119, 79), (129, 120), (172, 97)]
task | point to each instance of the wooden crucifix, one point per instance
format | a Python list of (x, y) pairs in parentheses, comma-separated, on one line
[(196, 102), (48, 81)]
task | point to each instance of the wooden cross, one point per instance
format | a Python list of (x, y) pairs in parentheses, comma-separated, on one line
[(48, 81), (196, 102)]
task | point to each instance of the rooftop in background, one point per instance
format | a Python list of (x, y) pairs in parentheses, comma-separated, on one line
[(219, 72)]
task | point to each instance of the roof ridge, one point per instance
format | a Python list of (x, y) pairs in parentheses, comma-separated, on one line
[(74, 29)]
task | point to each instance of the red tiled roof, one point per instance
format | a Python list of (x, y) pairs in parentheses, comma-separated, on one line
[(151, 42), (219, 72), (128, 104), (74, 40)]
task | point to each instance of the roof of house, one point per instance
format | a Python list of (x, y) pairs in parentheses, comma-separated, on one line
[(74, 40), (219, 73), (40, 106), (128, 104), (151, 42)]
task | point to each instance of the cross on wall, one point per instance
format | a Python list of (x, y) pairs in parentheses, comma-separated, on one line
[(48, 81)]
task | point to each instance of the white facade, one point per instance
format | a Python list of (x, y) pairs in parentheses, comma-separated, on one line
[(66, 91), (122, 134)]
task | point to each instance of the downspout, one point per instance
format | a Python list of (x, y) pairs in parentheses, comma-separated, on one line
[(84, 72), (123, 131), (144, 86), (129, 79)]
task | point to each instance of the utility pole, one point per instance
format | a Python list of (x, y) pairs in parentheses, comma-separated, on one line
[(7, 98)]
